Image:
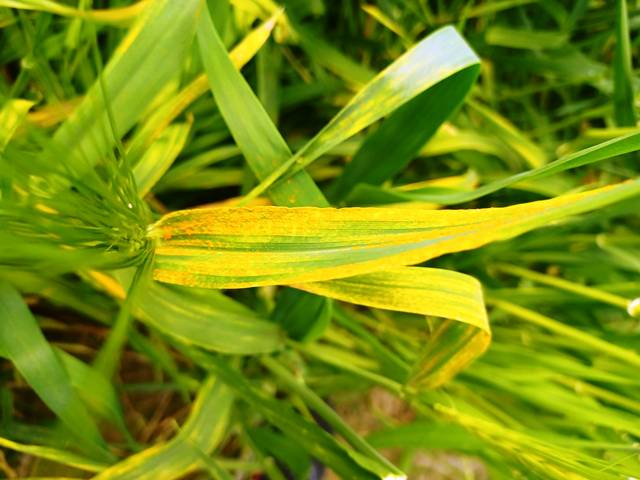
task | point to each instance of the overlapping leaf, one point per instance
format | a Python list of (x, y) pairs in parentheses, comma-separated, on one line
[(290, 254), (597, 153), (23, 343), (265, 150), (154, 51), (112, 16), (202, 432), (426, 291), (241, 247)]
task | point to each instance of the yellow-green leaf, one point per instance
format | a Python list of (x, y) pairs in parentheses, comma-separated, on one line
[(113, 16), (202, 432), (169, 110), (426, 291), (159, 157), (243, 247), (154, 51), (12, 115)]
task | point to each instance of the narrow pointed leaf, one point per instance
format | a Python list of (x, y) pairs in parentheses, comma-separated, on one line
[(22, 341), (94, 389), (169, 110), (312, 437), (12, 115), (203, 318), (597, 153), (202, 432), (149, 57), (255, 134), (208, 319), (159, 157), (623, 98), (441, 56), (112, 16), (249, 123), (63, 457), (446, 68), (242, 247), (426, 291)]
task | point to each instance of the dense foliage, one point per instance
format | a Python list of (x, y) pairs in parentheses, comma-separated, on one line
[(395, 239)]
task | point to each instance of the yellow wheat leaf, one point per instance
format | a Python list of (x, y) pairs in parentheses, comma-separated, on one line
[(246, 247), (359, 255), (427, 291)]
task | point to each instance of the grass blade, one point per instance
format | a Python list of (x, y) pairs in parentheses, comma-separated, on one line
[(204, 318), (623, 98), (329, 415), (159, 157), (55, 455), (169, 110), (441, 55), (113, 16), (208, 319), (203, 431), (95, 390), (249, 123), (446, 68), (23, 343), (314, 439), (425, 291), (147, 59), (272, 245), (597, 153), (13, 113)]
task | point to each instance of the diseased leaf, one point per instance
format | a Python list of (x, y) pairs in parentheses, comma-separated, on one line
[(426, 291), (446, 68), (13, 113), (425, 65), (113, 16), (242, 247), (63, 457)]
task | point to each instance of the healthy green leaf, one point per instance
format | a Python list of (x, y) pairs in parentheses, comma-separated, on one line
[(148, 58), (22, 341), (623, 97)]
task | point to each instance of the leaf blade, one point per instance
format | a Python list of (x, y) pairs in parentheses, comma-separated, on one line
[(275, 246), (426, 291), (22, 341)]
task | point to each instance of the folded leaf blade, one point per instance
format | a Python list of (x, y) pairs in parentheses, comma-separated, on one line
[(425, 291)]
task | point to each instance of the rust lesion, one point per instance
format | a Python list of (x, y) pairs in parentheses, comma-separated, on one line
[(167, 234)]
